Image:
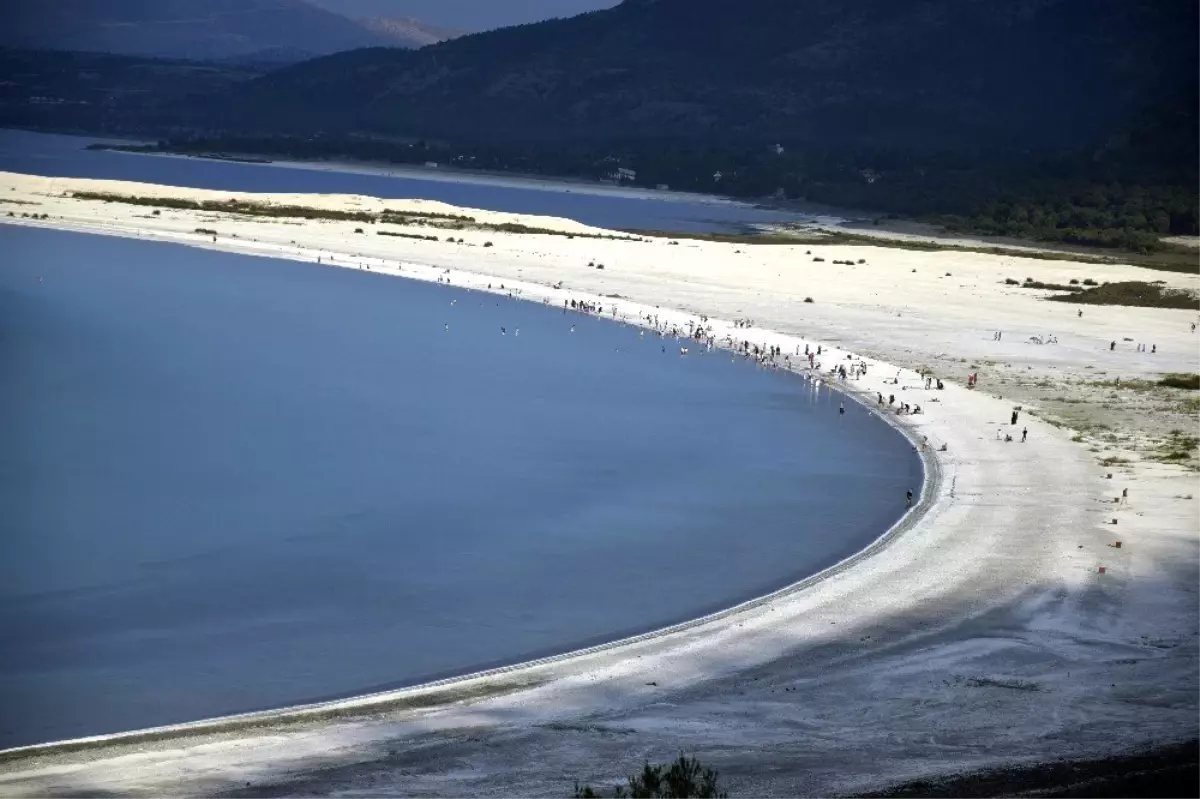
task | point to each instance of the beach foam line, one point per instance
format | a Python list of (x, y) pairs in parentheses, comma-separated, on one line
[(930, 491)]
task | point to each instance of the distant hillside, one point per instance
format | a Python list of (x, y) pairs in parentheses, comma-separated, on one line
[(1060, 120), (194, 29), (408, 32), (901, 74), (108, 94)]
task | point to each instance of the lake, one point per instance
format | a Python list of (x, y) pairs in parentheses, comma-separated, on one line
[(592, 204), (233, 483)]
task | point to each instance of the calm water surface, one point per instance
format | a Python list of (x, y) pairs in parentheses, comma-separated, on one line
[(230, 483), (65, 156)]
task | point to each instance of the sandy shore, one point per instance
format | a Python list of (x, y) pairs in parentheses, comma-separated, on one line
[(984, 633)]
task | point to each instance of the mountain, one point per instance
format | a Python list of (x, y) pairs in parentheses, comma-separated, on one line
[(900, 74), (465, 15), (107, 94), (406, 31), (193, 29)]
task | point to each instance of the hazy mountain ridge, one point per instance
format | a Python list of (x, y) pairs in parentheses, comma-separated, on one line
[(196, 29), (407, 29)]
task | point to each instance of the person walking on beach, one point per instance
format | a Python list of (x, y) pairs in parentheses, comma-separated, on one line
[(910, 497), (1112, 345), (1014, 417), (1024, 434)]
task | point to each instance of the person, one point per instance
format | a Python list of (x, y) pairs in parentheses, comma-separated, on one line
[(842, 409), (1124, 495), (910, 497), (1081, 313), (1153, 348), (1112, 346), (1014, 417), (1024, 434)]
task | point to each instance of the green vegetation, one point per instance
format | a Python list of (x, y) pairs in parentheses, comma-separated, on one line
[(409, 217), (1116, 216), (1190, 382), (1133, 293), (230, 206), (686, 777), (1176, 448), (1030, 283), (418, 236)]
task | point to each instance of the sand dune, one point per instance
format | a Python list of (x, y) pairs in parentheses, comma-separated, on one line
[(982, 632)]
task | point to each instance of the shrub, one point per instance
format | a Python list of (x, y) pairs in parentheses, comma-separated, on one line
[(1186, 381), (1008, 281), (1074, 281), (808, 299), (686, 777), (1087, 281), (156, 212), (487, 244)]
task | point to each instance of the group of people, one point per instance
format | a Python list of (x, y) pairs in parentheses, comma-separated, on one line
[(1112, 345)]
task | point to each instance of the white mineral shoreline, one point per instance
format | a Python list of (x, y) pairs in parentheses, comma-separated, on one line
[(983, 635)]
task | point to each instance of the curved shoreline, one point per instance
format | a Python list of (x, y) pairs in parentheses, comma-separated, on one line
[(984, 635), (931, 486)]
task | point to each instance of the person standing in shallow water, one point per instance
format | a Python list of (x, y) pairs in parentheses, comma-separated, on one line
[(910, 497), (841, 409)]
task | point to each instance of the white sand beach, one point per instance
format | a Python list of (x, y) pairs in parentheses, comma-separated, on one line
[(982, 631)]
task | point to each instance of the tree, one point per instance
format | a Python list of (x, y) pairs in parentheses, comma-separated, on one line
[(686, 777)]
